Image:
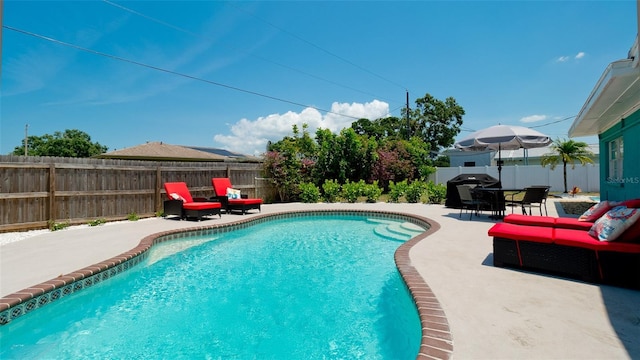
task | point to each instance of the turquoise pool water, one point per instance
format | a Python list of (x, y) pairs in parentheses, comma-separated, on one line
[(321, 287)]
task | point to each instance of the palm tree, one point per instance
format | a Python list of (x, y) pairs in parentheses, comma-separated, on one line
[(567, 151)]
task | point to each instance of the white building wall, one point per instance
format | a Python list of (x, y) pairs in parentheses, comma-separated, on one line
[(587, 177)]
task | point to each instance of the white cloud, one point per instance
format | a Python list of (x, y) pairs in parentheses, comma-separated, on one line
[(562, 59), (251, 137), (533, 118), (580, 55)]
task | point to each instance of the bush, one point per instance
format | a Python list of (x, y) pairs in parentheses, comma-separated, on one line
[(414, 191), (96, 222), (132, 216), (352, 190), (396, 191), (309, 193), (436, 193), (331, 190), (54, 226), (372, 192)]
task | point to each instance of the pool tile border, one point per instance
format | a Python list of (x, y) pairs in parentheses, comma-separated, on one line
[(437, 340)]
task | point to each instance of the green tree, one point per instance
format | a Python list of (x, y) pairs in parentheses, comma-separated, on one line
[(71, 143), (437, 122), (567, 152), (290, 162)]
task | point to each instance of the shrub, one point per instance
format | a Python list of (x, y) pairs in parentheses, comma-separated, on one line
[(372, 192), (309, 192), (414, 191), (396, 191), (96, 222), (331, 190), (54, 226), (132, 216), (436, 193), (352, 190)]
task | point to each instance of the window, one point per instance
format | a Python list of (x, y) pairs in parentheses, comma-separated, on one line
[(469, 163), (615, 159)]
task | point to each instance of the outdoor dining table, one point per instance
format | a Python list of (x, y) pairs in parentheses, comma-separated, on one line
[(497, 201)]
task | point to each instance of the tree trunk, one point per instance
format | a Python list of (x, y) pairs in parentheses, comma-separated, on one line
[(564, 173)]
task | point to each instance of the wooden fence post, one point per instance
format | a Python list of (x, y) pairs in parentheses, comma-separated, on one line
[(52, 193), (158, 194)]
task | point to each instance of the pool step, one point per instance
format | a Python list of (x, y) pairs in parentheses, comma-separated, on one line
[(383, 230), (396, 231)]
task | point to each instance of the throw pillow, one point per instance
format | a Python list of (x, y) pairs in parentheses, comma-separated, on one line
[(596, 211), (176, 196), (614, 222), (233, 193)]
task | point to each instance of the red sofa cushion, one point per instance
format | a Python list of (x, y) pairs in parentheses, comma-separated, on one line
[(548, 221), (520, 219), (572, 223), (632, 234), (633, 203), (522, 232), (579, 238)]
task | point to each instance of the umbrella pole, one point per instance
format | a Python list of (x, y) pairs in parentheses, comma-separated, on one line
[(500, 165)]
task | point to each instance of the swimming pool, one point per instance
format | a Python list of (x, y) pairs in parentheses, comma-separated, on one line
[(257, 292)]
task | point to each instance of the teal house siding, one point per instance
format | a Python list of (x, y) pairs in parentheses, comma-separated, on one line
[(628, 185)]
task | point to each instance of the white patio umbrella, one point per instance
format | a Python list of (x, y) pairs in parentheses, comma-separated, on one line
[(503, 137)]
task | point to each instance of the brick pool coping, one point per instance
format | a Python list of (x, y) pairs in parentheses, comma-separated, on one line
[(436, 342)]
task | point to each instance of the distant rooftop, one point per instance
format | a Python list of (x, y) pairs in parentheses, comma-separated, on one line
[(159, 151)]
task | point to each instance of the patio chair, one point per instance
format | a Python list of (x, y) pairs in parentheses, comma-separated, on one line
[(181, 203), (223, 189), (468, 201), (534, 196)]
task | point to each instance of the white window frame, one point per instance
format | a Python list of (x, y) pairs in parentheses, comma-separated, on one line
[(616, 156)]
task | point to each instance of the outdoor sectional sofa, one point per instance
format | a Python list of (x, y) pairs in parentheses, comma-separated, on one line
[(564, 247)]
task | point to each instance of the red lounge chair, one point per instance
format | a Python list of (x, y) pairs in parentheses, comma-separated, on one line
[(181, 203), (220, 186)]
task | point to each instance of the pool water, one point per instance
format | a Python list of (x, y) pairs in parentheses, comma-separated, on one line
[(317, 287)]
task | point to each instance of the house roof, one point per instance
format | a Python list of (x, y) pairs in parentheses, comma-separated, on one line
[(615, 97), (161, 151), (537, 152)]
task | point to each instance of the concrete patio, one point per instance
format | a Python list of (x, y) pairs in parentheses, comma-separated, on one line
[(493, 313)]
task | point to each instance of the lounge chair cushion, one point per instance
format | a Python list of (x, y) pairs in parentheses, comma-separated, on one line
[(201, 205), (180, 189), (612, 224), (596, 211)]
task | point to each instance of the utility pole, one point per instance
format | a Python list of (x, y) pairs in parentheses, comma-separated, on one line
[(408, 123), (26, 139)]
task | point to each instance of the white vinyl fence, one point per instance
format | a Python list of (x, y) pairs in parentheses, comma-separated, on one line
[(587, 177)]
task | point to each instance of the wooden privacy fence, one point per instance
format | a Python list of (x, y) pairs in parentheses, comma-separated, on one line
[(37, 191)]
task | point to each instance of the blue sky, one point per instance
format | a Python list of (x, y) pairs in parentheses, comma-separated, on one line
[(235, 75)]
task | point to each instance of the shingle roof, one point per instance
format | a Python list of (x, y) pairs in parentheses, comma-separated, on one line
[(162, 151)]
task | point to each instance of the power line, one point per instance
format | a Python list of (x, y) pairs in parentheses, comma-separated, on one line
[(553, 122), (318, 47), (163, 23), (113, 57)]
